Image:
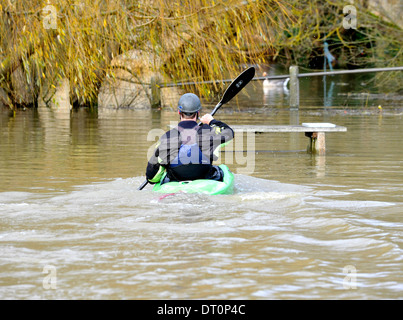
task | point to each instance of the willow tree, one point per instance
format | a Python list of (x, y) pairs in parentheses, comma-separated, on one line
[(185, 39), (189, 40), (374, 40)]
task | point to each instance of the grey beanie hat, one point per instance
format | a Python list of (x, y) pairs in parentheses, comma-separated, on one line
[(189, 103)]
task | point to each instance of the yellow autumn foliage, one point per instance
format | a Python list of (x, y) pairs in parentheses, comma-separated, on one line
[(187, 40)]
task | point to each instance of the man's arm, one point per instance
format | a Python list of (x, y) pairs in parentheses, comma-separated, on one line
[(217, 135), (223, 132), (165, 150), (155, 166)]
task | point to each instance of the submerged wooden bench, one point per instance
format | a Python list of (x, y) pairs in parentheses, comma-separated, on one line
[(314, 131)]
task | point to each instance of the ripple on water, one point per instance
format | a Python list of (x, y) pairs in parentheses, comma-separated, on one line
[(267, 240)]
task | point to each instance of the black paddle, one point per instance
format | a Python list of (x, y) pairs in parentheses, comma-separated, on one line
[(234, 88)]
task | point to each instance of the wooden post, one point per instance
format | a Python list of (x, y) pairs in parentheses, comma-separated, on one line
[(155, 92), (294, 136), (294, 87), (317, 142), (320, 145)]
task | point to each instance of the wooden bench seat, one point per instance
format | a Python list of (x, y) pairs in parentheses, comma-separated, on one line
[(314, 131)]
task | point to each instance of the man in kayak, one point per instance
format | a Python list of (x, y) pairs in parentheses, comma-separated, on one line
[(188, 151)]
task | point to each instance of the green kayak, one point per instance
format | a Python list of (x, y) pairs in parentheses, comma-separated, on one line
[(200, 186)]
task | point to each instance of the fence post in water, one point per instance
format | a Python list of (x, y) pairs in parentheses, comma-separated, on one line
[(155, 92), (294, 88)]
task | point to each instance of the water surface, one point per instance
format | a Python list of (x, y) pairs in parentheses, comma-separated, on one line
[(298, 226)]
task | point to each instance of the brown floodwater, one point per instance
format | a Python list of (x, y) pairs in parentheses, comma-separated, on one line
[(298, 226)]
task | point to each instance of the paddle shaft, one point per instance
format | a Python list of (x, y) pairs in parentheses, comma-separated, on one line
[(233, 89), (143, 185), (218, 106)]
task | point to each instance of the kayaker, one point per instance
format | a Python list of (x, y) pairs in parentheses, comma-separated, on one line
[(187, 152)]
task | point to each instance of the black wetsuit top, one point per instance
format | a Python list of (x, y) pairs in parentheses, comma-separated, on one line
[(187, 151)]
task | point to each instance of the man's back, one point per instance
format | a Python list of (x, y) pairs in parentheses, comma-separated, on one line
[(188, 151)]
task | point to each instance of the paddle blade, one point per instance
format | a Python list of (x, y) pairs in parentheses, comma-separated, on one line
[(238, 84)]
